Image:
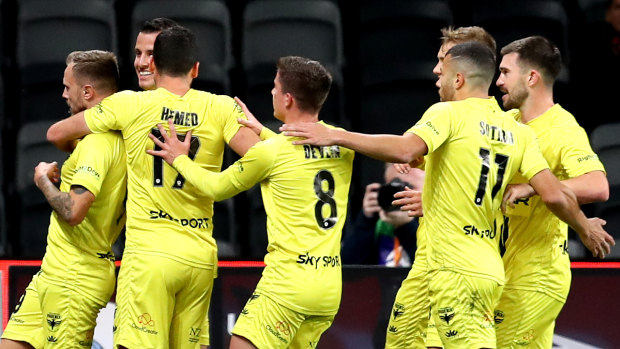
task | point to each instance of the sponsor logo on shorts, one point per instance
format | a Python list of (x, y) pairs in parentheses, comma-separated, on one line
[(393, 329), (52, 339), (244, 311), (145, 320), (451, 333), (89, 339), (194, 334), (17, 320), (488, 321), (399, 310), (446, 314), (499, 317), (526, 339), (279, 330), (53, 321)]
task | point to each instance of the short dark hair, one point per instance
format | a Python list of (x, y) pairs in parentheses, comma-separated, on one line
[(156, 25), (479, 60), (539, 53), (307, 80), (175, 51), (96, 67)]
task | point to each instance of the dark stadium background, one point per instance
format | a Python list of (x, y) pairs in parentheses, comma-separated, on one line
[(381, 54)]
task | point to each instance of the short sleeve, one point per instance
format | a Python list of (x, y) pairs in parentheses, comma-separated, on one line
[(112, 113), (435, 126)]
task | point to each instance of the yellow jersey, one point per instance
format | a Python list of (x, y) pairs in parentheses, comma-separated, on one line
[(474, 150), (305, 191), (165, 215), (536, 256), (84, 250)]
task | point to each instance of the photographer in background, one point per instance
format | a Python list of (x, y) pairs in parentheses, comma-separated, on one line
[(382, 234)]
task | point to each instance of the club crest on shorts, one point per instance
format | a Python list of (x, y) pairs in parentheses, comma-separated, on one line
[(53, 321)]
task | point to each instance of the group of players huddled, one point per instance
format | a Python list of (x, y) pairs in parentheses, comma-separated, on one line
[(491, 269)]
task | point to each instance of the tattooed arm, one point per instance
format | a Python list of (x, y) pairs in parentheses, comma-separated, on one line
[(72, 206)]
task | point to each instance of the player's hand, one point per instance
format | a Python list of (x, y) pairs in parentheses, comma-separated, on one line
[(515, 192), (596, 239), (171, 147), (252, 123), (410, 201), (395, 218), (312, 132), (370, 203), (47, 170), (402, 168)]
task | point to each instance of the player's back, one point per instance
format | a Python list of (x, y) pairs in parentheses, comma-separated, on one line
[(305, 196), (474, 150), (165, 215)]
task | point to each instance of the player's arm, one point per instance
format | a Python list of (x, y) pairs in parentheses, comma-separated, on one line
[(389, 148), (63, 133), (589, 187), (252, 122), (72, 206), (563, 203)]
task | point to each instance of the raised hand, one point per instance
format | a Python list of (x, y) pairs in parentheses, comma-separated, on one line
[(171, 147)]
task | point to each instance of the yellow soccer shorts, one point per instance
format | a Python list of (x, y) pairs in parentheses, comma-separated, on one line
[(54, 316), (526, 319), (433, 340), (269, 325), (410, 313), (462, 309), (161, 303)]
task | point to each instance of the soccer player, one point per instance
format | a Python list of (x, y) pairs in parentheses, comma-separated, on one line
[(473, 151), (305, 191), (536, 257), (170, 256), (144, 50), (146, 80), (77, 276), (407, 326)]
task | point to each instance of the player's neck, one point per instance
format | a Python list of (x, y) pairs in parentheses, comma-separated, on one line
[(300, 116), (177, 85), (537, 103)]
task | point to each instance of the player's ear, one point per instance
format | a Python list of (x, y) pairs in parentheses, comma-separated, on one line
[(194, 71), (88, 91), (533, 77), (288, 99), (459, 80)]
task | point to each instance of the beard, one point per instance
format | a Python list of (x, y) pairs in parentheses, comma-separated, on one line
[(516, 98), (446, 93)]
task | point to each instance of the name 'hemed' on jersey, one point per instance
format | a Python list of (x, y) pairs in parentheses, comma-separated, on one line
[(179, 117), (496, 133)]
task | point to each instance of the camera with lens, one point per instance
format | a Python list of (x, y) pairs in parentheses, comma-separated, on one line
[(387, 191)]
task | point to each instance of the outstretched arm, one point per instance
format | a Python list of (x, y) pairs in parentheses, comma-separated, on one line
[(73, 206), (389, 148), (63, 133), (563, 203)]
